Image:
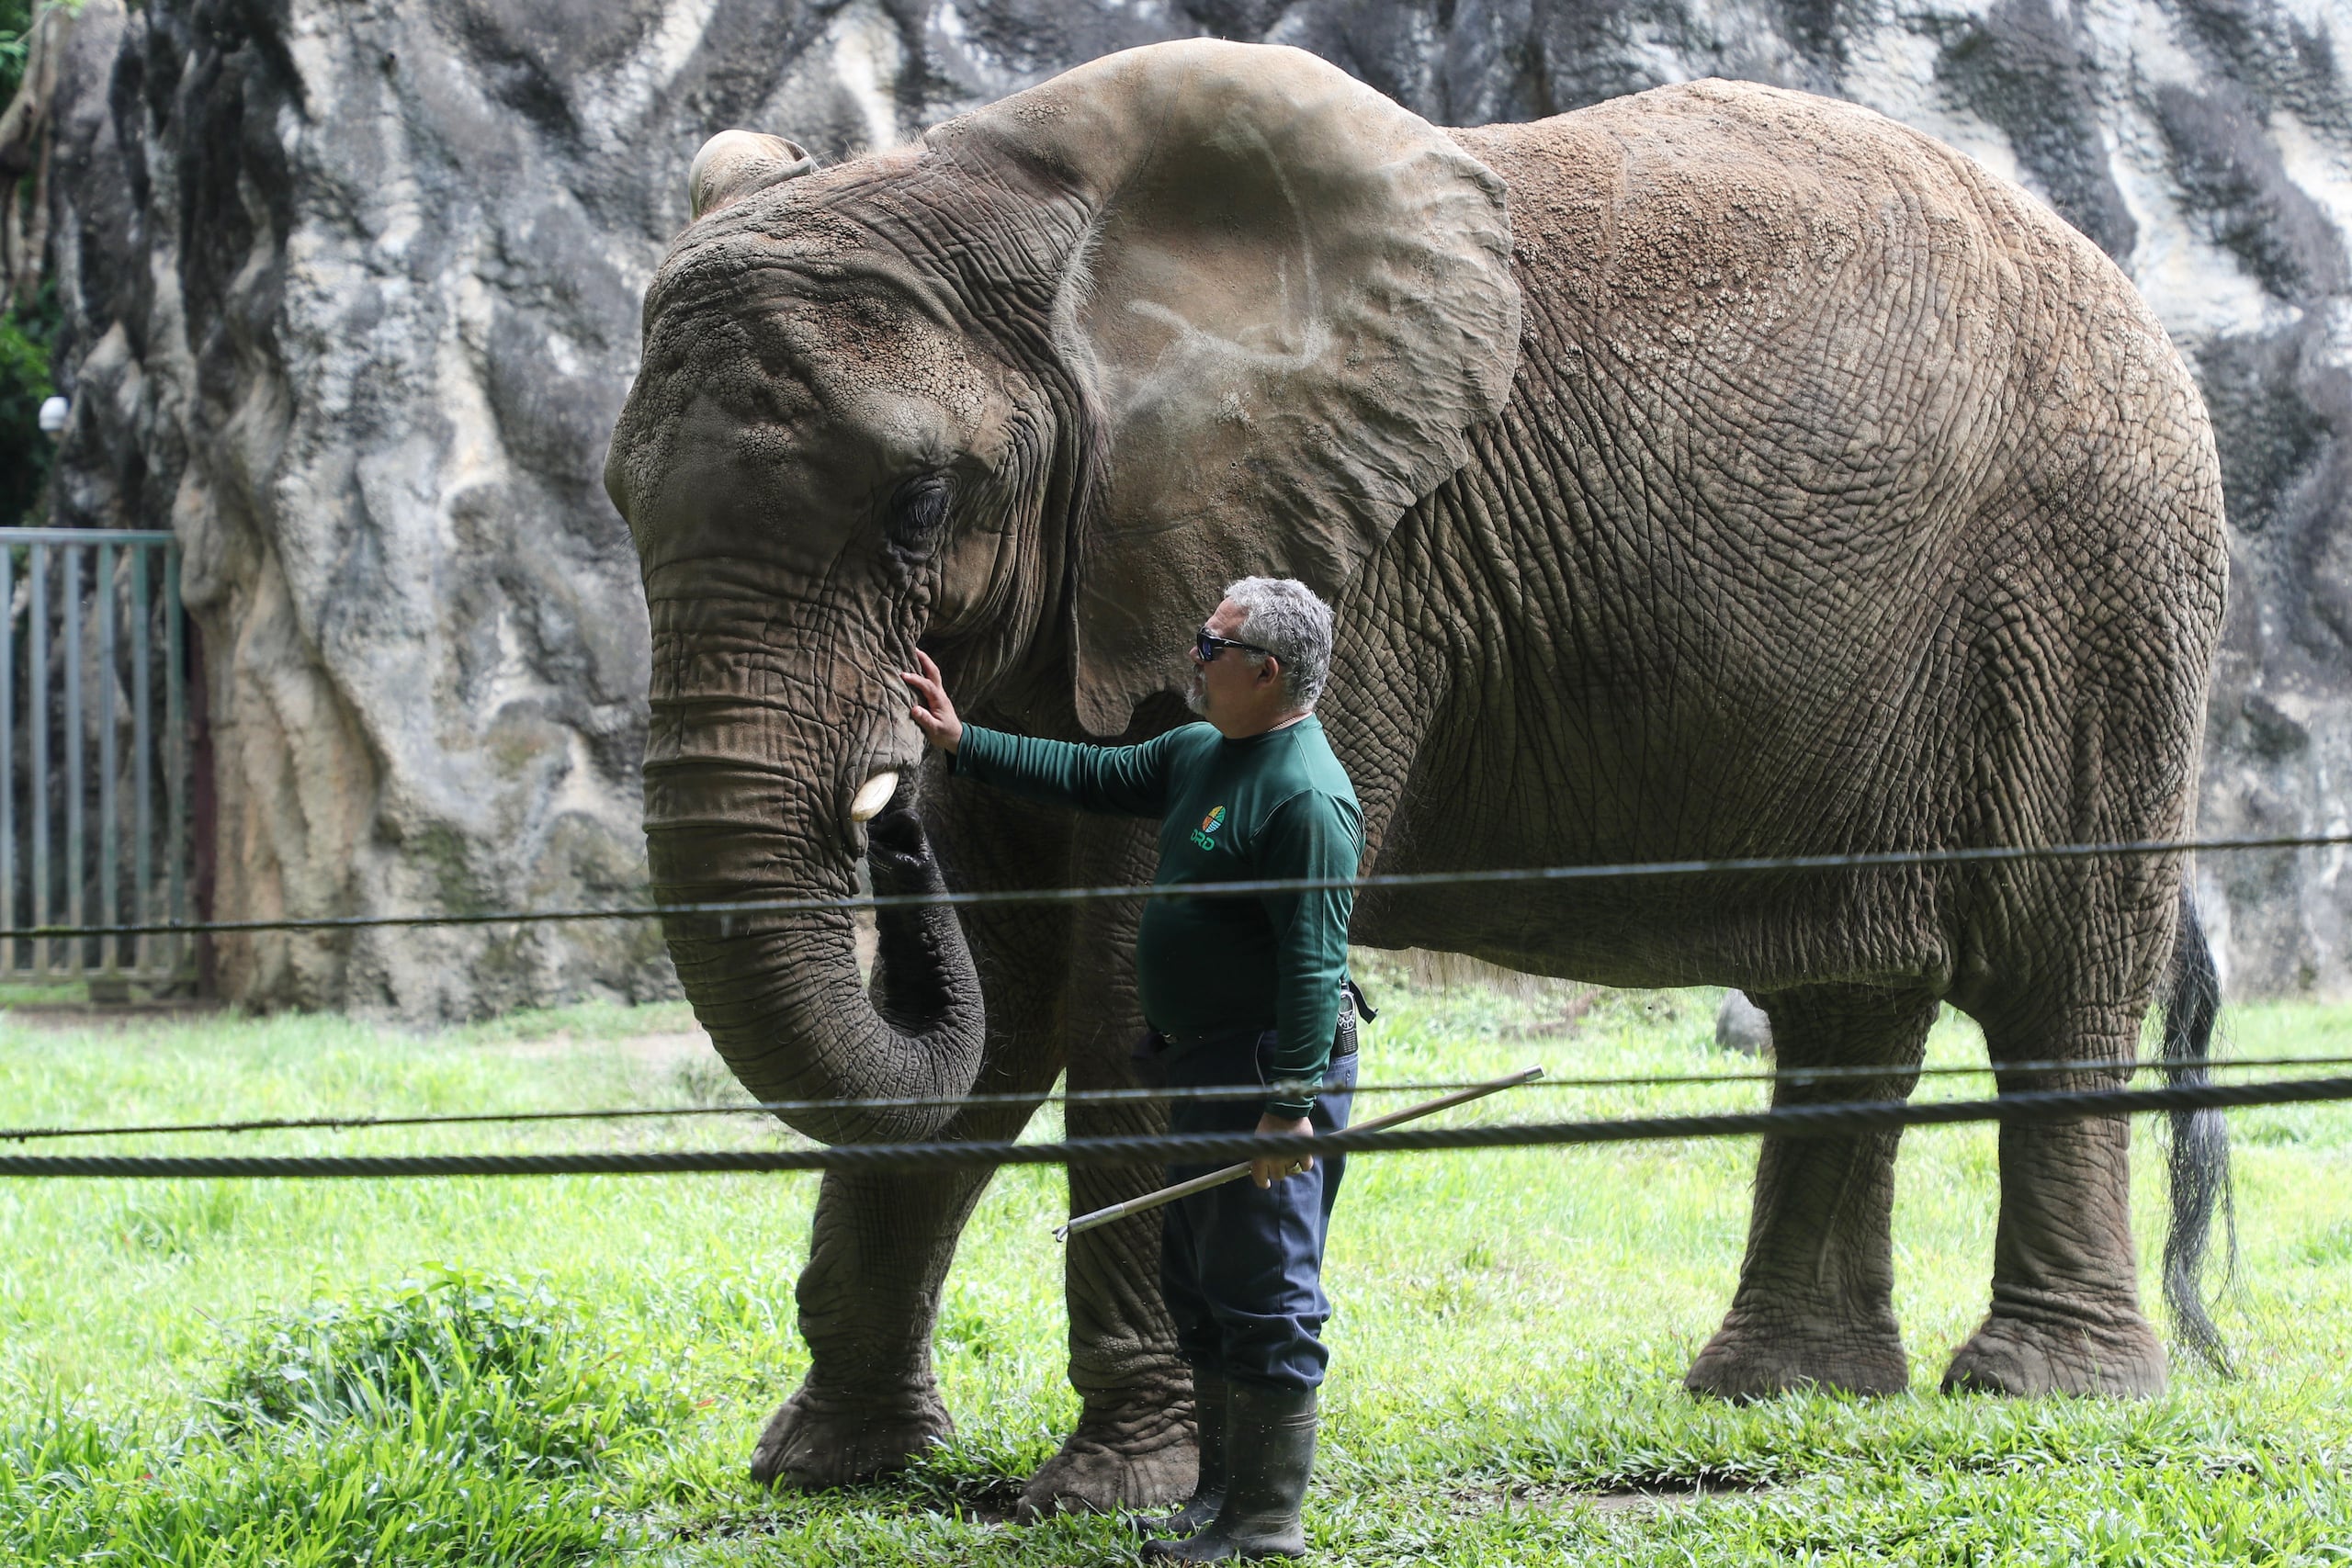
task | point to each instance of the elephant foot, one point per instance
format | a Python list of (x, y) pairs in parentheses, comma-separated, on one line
[(2118, 1357), (816, 1440), (1747, 1360), (1121, 1459)]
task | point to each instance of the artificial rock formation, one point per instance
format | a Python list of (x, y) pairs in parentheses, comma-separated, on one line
[(353, 296)]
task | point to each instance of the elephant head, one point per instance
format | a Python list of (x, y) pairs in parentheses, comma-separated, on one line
[(1028, 393)]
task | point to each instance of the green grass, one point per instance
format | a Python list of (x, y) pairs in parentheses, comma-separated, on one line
[(556, 1371)]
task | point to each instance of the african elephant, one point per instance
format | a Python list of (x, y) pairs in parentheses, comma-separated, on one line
[(1718, 471)]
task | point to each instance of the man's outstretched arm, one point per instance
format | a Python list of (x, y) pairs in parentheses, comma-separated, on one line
[(1129, 780)]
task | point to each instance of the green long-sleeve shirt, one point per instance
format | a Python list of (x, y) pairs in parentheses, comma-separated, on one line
[(1274, 807)]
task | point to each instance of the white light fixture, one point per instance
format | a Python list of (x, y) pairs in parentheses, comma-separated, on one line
[(53, 415)]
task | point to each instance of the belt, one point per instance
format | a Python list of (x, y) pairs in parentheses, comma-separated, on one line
[(1343, 1037)]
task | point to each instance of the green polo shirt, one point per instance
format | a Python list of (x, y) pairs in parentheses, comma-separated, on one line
[(1274, 806)]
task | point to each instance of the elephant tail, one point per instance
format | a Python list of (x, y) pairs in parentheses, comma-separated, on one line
[(2199, 1155)]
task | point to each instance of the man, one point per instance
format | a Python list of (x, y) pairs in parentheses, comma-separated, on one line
[(1238, 991)]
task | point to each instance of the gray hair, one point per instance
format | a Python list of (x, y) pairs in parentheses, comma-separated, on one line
[(1283, 616)]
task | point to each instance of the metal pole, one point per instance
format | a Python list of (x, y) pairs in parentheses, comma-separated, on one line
[(1168, 1195), (142, 760), (176, 749), (7, 758), (69, 564), (37, 714), (109, 829)]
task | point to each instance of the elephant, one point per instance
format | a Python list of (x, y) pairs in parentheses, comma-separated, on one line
[(1715, 471)]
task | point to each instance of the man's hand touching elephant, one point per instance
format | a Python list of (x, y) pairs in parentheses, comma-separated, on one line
[(932, 713)]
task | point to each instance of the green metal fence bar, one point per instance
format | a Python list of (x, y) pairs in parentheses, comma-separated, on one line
[(142, 751), (74, 739), (85, 537), (36, 716), (79, 695), (109, 955), (175, 744), (8, 760)]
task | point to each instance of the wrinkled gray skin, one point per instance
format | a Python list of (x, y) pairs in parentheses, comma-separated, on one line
[(1718, 471)]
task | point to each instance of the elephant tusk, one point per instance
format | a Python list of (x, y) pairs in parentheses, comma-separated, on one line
[(871, 796)]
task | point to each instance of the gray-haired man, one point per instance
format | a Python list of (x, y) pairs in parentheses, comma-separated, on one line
[(1238, 991)]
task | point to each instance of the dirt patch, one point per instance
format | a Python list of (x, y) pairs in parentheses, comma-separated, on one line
[(656, 1053), (81, 1017), (1649, 1496), (991, 1501), (994, 1501)]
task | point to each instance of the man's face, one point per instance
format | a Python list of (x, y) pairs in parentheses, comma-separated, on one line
[(1227, 684)]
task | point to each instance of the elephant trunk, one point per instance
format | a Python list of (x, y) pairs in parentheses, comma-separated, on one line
[(780, 993)]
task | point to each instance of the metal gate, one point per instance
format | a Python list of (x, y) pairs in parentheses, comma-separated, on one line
[(95, 753)]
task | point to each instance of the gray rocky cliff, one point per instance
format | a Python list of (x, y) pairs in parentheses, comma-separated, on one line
[(353, 292)]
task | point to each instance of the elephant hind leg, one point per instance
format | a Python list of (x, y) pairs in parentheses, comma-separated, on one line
[(1134, 1444), (2065, 1316), (1815, 1300)]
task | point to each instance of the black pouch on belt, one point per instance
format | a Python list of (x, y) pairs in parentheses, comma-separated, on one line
[(1149, 1059)]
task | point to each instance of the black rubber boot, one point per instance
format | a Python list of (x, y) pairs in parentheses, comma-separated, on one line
[(1208, 1497), (1268, 1453)]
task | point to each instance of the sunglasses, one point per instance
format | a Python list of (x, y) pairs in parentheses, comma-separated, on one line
[(1207, 648)]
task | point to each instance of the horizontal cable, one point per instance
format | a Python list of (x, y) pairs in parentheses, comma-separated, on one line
[(1790, 1121), (728, 911), (1285, 1089)]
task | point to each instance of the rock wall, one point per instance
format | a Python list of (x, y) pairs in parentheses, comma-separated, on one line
[(354, 293)]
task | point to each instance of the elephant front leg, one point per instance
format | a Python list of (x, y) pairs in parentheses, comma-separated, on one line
[(2065, 1316), (868, 1298), (882, 1243), (1816, 1298)]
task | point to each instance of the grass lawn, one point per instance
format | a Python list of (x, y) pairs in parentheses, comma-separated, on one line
[(566, 1370)]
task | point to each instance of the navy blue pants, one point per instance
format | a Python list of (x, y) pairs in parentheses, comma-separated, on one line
[(1242, 1267)]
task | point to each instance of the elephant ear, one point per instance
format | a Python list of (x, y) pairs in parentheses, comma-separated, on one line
[(734, 163), (1290, 303)]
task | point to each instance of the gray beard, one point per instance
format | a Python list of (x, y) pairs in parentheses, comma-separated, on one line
[(1196, 696)]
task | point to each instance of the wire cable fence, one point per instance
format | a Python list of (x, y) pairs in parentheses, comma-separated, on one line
[(977, 898), (1788, 1121), (1280, 1088), (1793, 1121)]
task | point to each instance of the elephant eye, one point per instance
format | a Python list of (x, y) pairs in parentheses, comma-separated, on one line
[(918, 512)]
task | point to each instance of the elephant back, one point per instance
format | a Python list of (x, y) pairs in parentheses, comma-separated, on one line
[(1899, 465), (1800, 295)]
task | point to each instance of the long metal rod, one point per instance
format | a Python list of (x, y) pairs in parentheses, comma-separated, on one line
[(1168, 1195), (76, 738), (110, 828), (142, 763), (37, 715)]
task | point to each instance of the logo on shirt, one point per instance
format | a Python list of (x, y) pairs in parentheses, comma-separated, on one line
[(1209, 824)]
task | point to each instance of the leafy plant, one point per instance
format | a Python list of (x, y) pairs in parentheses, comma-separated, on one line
[(490, 1366)]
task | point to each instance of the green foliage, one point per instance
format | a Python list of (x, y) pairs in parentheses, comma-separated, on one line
[(1512, 1331), (456, 1420), (492, 1357), (27, 333), (16, 24)]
